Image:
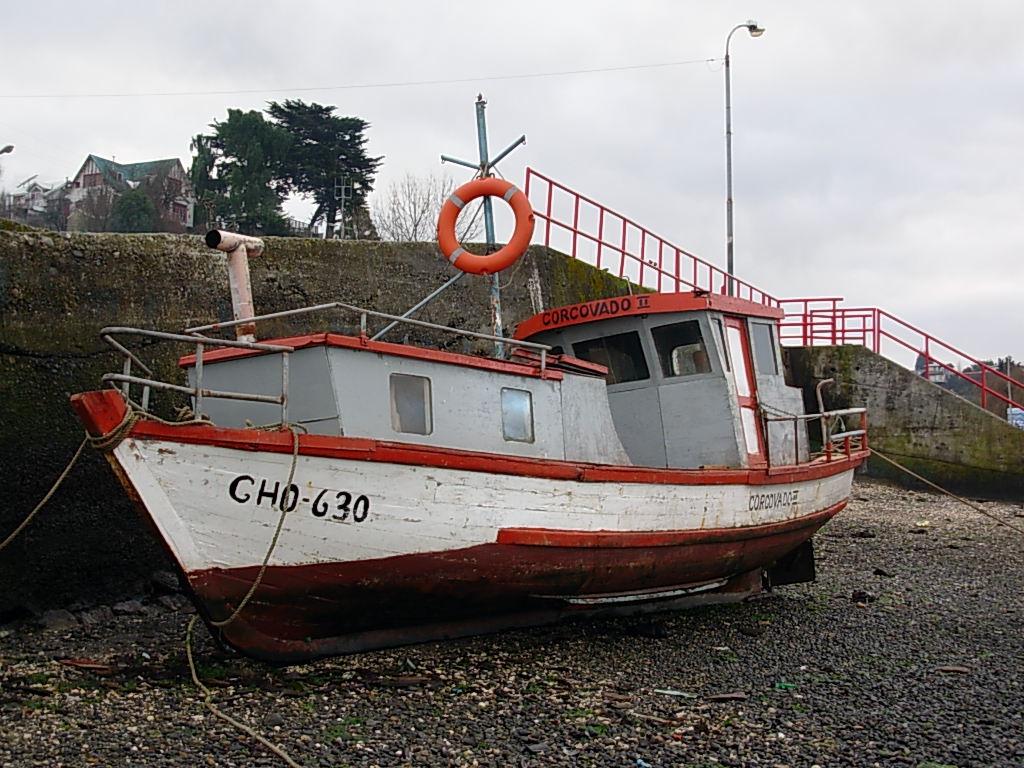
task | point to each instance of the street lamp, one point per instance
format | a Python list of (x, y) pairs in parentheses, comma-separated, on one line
[(755, 31), (5, 150)]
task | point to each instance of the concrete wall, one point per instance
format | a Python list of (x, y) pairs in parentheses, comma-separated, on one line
[(58, 290), (929, 429)]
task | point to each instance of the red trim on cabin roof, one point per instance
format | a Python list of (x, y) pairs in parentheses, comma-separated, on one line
[(527, 368), (366, 449), (642, 304), (551, 537), (562, 362)]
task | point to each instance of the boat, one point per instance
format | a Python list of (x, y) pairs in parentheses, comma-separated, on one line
[(622, 455)]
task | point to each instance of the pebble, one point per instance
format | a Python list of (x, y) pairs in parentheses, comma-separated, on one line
[(904, 652)]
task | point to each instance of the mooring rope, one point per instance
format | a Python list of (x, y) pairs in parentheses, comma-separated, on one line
[(293, 428), (47, 497), (132, 416), (939, 488), (105, 442), (208, 702), (207, 694), (111, 439)]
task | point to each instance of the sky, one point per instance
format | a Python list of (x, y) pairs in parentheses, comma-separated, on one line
[(877, 146)]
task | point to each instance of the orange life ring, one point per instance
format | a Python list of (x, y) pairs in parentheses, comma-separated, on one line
[(501, 259)]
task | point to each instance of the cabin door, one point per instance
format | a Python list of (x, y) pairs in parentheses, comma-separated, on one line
[(746, 387)]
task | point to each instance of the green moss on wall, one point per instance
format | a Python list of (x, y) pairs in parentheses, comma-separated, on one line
[(953, 441), (6, 225)]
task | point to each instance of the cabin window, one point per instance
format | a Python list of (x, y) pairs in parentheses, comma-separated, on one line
[(764, 348), (716, 323), (410, 404), (681, 349), (517, 415), (622, 354)]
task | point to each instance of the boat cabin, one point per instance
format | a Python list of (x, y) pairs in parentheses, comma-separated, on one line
[(690, 376), (656, 380), (351, 386)]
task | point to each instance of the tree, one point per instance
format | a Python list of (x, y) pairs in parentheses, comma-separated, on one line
[(237, 173), (95, 211), (327, 154), (163, 191), (409, 210), (58, 208), (134, 211), (208, 188)]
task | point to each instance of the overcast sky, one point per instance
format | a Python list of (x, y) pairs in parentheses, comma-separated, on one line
[(878, 146)]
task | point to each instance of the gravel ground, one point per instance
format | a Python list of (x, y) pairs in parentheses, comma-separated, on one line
[(907, 651)]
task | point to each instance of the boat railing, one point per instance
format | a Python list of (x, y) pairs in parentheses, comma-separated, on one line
[(365, 314), (836, 438), (196, 337), (125, 379)]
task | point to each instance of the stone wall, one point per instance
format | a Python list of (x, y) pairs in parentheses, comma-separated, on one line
[(58, 290), (931, 430)]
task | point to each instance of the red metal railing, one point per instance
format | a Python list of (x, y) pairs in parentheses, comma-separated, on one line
[(811, 322), (587, 230)]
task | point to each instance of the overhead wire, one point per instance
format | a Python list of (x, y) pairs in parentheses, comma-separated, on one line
[(358, 86)]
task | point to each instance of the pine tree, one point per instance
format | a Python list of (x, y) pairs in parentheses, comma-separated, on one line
[(327, 153)]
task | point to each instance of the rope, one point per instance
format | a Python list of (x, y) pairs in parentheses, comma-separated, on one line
[(117, 434), (208, 703), (133, 415), (939, 488), (113, 438), (207, 694), (47, 497), (512, 274), (771, 410), (293, 428)]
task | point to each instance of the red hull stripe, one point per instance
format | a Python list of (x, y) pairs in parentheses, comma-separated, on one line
[(547, 537), (102, 411)]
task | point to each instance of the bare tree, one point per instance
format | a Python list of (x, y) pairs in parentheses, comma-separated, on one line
[(7, 209), (409, 209), (94, 211)]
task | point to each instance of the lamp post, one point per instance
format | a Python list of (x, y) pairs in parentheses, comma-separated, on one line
[(6, 149), (755, 31)]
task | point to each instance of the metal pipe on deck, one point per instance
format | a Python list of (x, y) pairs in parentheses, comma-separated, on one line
[(238, 247)]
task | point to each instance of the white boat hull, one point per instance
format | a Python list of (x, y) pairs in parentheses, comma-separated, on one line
[(384, 543)]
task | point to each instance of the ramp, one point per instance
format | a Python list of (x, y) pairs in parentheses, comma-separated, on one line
[(924, 426)]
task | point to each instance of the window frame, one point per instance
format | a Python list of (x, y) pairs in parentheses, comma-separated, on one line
[(427, 414), (506, 412), (613, 371), (757, 349), (666, 340)]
